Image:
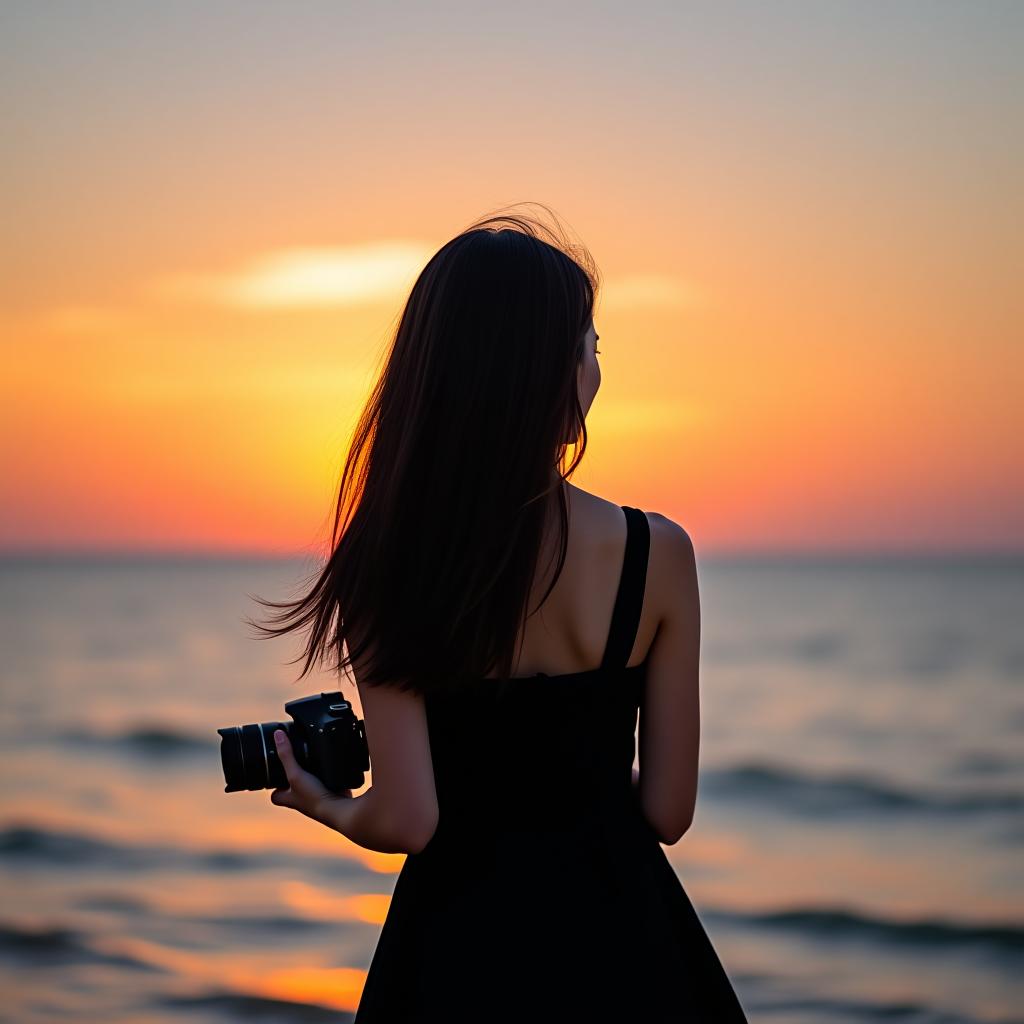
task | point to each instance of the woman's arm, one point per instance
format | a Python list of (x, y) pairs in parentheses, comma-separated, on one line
[(364, 820), (670, 714)]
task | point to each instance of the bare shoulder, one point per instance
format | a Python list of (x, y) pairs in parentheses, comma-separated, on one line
[(589, 504), (671, 547), (600, 525), (671, 539), (672, 566)]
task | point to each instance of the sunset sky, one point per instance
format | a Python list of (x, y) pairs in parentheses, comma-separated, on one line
[(807, 217)]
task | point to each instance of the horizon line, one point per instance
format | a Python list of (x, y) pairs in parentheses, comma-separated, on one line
[(716, 554)]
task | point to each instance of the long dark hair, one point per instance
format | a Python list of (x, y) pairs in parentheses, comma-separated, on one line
[(456, 465)]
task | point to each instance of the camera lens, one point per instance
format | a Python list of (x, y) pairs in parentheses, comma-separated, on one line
[(249, 757)]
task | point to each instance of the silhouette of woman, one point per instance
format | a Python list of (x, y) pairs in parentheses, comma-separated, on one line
[(506, 630)]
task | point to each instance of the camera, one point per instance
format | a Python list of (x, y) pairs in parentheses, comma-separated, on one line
[(328, 740)]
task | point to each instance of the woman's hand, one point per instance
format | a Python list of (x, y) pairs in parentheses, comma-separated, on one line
[(305, 792)]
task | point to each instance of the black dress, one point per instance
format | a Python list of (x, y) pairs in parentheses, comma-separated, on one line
[(544, 894)]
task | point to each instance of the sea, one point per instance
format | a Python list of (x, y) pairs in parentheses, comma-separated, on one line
[(855, 855)]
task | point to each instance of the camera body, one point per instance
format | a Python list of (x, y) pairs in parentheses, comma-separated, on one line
[(327, 738)]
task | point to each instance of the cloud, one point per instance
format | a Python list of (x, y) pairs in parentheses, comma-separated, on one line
[(303, 277), (648, 291), (307, 277)]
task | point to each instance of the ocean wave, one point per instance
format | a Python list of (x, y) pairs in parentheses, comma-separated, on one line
[(822, 1008), (922, 932), (240, 1006), (817, 794), (987, 763), (56, 945), (155, 741), (131, 906), (22, 841)]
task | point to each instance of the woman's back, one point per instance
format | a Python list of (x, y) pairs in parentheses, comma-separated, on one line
[(568, 632), (563, 739)]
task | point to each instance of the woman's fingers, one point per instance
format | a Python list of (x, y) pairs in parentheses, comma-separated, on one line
[(284, 752), (304, 790), (282, 797), (297, 775)]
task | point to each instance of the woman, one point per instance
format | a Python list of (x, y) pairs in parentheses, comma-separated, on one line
[(504, 627)]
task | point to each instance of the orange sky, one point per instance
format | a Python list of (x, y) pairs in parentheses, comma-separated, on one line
[(804, 217)]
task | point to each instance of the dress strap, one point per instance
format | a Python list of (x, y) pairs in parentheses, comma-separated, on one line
[(629, 599)]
